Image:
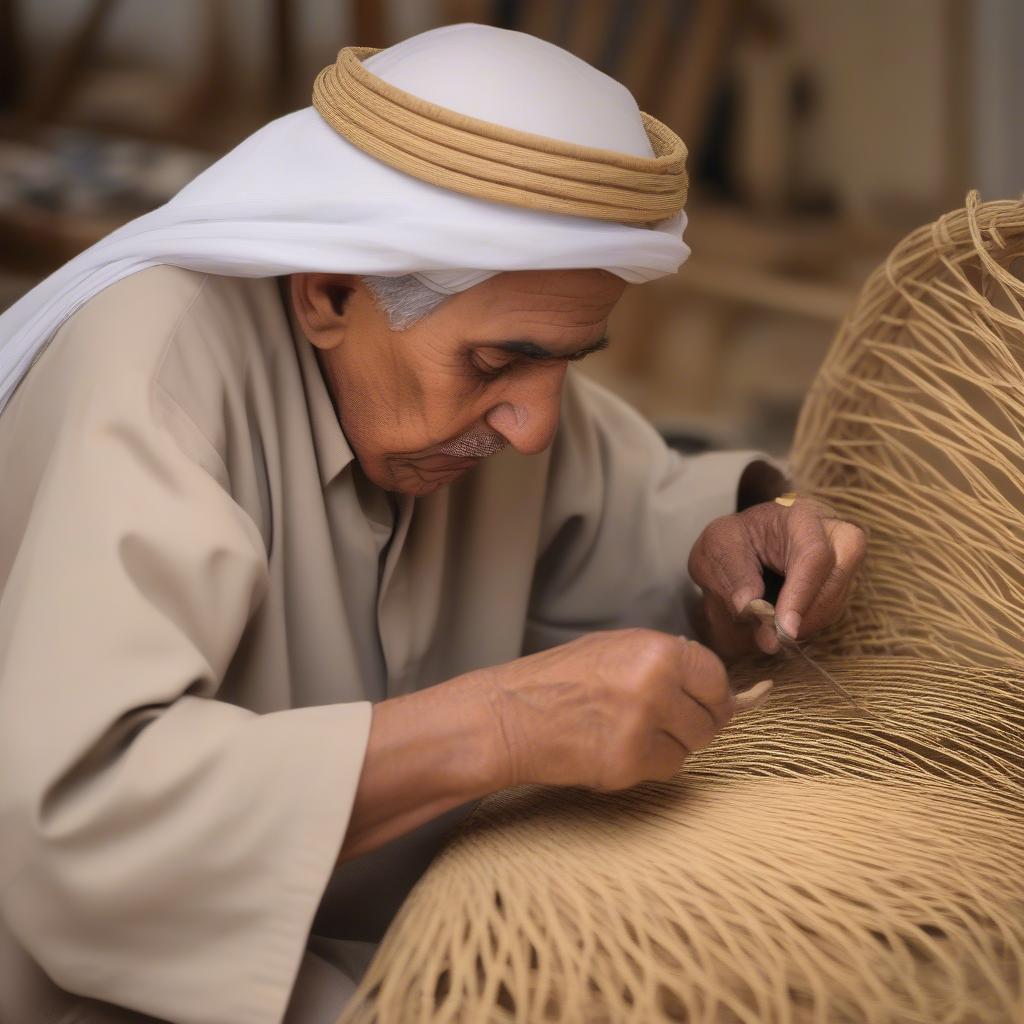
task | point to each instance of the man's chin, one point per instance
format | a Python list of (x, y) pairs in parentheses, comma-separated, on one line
[(417, 478), (422, 490)]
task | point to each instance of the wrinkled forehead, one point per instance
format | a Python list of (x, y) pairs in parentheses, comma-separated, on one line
[(575, 301)]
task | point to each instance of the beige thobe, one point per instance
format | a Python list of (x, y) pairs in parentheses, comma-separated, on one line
[(202, 597)]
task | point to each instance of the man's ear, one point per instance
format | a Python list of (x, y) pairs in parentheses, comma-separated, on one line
[(321, 304)]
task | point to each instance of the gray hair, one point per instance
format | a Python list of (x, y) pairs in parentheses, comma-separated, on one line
[(403, 300)]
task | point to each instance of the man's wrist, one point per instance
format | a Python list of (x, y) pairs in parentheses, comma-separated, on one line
[(460, 719), (428, 752), (485, 729)]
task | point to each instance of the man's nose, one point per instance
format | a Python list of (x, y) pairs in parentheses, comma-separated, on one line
[(528, 418)]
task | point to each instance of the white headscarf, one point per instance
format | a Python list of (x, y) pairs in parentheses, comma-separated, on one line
[(295, 196)]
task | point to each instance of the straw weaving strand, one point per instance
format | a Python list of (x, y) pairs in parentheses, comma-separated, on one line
[(915, 428), (496, 163)]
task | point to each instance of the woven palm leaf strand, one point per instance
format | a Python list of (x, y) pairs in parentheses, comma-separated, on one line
[(915, 427), (497, 163)]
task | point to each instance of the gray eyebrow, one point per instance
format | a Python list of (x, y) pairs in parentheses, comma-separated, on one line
[(532, 350)]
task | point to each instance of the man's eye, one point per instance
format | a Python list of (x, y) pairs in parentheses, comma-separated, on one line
[(490, 367)]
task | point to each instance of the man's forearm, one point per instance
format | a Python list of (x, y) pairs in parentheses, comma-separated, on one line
[(427, 753)]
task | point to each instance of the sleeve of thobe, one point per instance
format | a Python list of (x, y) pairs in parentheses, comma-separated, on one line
[(165, 850), (622, 513)]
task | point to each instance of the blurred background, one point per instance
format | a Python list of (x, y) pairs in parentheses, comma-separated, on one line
[(819, 131)]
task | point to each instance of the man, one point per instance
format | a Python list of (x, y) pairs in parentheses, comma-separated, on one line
[(277, 605)]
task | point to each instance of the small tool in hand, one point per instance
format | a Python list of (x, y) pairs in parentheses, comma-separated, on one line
[(753, 697), (764, 612)]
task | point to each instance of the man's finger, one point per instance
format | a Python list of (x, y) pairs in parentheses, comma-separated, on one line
[(724, 562), (809, 562), (718, 627), (766, 638), (704, 680), (849, 545), (691, 723)]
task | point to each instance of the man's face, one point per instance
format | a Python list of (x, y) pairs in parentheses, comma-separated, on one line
[(422, 406)]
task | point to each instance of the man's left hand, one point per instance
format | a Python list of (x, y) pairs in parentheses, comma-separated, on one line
[(817, 553)]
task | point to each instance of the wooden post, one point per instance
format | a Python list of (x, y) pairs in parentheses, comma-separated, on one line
[(71, 62)]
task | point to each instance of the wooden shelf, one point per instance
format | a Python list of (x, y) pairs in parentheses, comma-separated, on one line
[(778, 292)]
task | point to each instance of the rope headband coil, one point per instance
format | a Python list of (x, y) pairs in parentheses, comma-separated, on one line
[(499, 164)]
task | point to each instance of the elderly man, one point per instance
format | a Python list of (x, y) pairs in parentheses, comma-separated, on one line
[(310, 537)]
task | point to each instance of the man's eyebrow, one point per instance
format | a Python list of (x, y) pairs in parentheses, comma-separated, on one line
[(532, 350)]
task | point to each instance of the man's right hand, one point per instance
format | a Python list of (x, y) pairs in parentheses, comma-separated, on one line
[(608, 710)]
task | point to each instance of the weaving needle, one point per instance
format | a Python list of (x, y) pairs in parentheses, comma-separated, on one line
[(791, 644), (764, 612)]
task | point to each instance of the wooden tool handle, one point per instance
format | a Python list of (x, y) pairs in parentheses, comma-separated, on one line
[(747, 700), (760, 610)]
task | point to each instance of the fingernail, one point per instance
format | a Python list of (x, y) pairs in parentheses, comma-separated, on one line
[(790, 623), (741, 599)]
